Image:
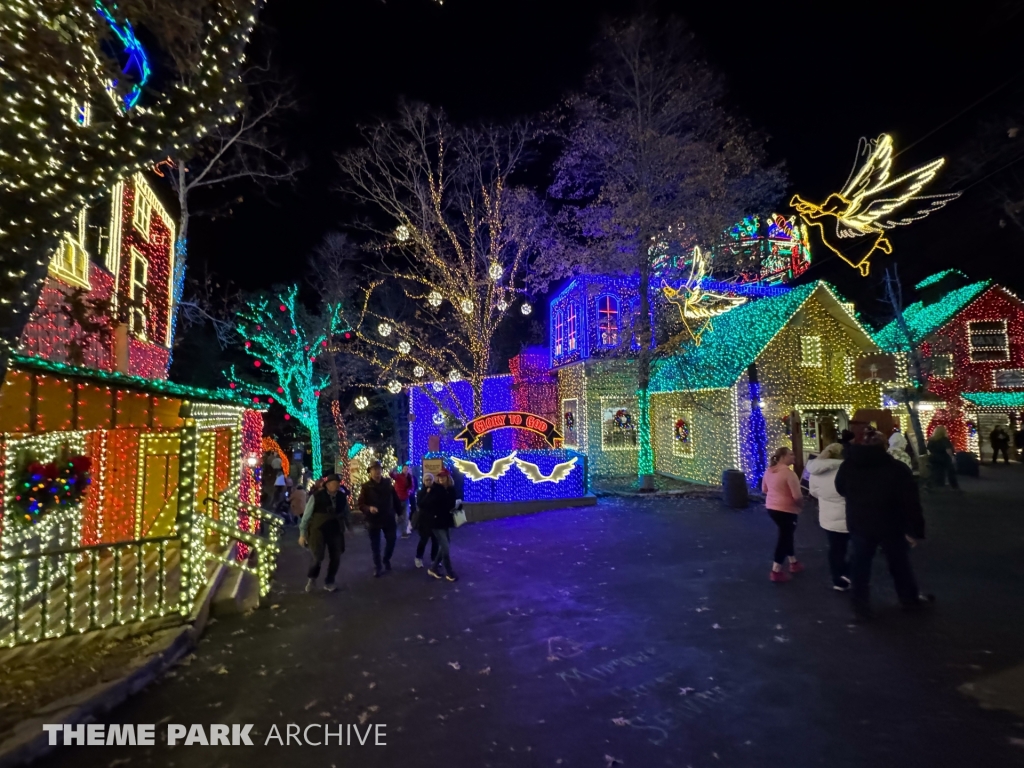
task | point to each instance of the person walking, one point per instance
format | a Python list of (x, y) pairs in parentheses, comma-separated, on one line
[(441, 524), (832, 512), (1000, 440), (940, 459), (379, 502), (297, 504), (783, 501), (1018, 441), (404, 488), (423, 516), (883, 509), (323, 527), (898, 449)]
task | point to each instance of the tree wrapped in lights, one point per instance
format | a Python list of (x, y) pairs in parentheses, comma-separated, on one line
[(653, 165), (67, 135), (285, 342), (453, 250)]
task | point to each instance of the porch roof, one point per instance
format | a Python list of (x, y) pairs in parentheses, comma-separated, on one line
[(995, 399), (138, 383)]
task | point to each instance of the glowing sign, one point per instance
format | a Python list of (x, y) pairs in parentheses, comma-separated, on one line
[(481, 425)]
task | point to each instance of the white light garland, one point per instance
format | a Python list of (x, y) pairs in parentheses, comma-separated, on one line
[(384, 329), (496, 271), (434, 299), (361, 402), (526, 308), (404, 347), (419, 371), (394, 386)]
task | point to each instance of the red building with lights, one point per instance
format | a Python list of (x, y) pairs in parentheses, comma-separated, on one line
[(971, 337), (106, 303)]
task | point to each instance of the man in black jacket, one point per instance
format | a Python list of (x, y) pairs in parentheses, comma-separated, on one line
[(379, 502), (323, 526), (883, 509)]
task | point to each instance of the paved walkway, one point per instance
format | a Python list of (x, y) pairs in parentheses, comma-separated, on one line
[(638, 633)]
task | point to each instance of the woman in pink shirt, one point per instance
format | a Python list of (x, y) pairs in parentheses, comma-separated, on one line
[(783, 500)]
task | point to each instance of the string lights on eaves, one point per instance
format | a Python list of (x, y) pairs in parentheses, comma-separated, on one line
[(50, 169)]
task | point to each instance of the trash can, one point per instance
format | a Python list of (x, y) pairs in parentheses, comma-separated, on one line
[(966, 464), (734, 489)]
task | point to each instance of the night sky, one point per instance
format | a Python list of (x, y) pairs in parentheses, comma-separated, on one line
[(815, 77)]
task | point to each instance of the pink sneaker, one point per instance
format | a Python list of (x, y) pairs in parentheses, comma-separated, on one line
[(796, 566), (779, 577)]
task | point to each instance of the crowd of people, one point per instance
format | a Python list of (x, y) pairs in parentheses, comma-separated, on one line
[(390, 506), (868, 499)]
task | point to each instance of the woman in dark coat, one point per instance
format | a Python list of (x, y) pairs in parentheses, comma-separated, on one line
[(441, 524), (423, 517)]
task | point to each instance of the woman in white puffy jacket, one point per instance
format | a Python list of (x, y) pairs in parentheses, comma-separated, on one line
[(831, 512)]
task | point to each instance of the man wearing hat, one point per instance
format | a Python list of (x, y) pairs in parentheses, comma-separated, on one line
[(323, 528), (379, 502)]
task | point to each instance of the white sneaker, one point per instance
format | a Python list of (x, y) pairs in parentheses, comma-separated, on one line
[(310, 584), (330, 588), (419, 563)]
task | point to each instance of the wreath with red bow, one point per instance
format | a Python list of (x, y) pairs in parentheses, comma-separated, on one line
[(682, 431), (623, 419), (40, 488)]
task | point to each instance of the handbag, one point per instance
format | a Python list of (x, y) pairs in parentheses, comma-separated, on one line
[(459, 514)]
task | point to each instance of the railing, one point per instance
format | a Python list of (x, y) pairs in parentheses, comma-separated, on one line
[(257, 548), (62, 592)]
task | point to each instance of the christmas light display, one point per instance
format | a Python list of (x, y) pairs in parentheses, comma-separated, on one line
[(867, 204), (49, 171), (361, 402), (968, 341), (498, 467), (285, 342), (766, 251), (733, 391), (520, 486), (270, 445), (698, 306)]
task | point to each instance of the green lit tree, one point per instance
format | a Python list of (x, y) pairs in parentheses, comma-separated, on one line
[(287, 343), (67, 134)]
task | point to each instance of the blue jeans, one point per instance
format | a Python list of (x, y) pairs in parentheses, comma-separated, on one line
[(389, 546), (897, 552), (443, 538)]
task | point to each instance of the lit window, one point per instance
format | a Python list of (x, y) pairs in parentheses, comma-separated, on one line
[(1008, 379), (559, 332), (70, 263), (608, 320), (988, 340), (572, 330), (942, 366), (137, 315), (143, 214), (810, 351), (618, 424)]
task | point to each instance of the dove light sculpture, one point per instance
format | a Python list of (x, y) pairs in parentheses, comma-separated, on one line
[(870, 203), (498, 468)]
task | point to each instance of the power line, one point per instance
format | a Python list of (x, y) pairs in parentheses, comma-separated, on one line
[(960, 114)]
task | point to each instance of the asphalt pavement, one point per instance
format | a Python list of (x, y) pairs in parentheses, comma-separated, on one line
[(641, 633)]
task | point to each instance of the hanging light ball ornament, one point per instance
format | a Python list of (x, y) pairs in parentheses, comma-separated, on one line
[(434, 299), (453, 375), (502, 305), (495, 271), (394, 386), (401, 233), (437, 386), (439, 418), (404, 347), (384, 329), (526, 308), (361, 402), (467, 306), (418, 371)]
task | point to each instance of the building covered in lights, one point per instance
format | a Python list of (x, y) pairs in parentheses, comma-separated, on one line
[(135, 481), (971, 338)]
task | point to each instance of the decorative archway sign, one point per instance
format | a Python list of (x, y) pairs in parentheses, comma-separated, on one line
[(489, 422)]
